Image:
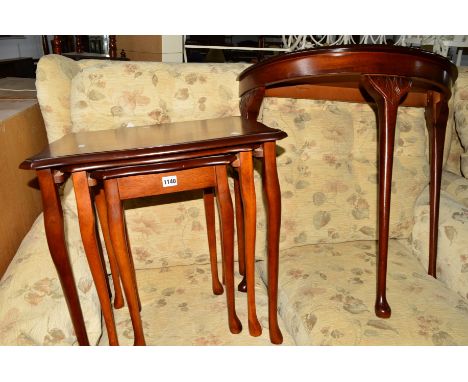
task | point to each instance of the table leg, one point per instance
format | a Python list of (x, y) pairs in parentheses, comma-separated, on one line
[(273, 199), (116, 223), (387, 92), (90, 244), (436, 120), (54, 229), (250, 213), (208, 200), (101, 207), (132, 263), (242, 287), (226, 213)]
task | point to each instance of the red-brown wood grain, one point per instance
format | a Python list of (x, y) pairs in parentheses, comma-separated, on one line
[(54, 229), (273, 204), (242, 287), (347, 64), (226, 214), (247, 187), (387, 92), (118, 235), (57, 45), (151, 141), (436, 120), (101, 207), (92, 248), (208, 201)]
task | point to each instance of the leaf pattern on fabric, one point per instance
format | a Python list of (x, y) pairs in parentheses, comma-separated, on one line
[(341, 312), (338, 162)]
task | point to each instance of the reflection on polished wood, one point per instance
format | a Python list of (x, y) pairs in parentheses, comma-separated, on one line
[(150, 141)]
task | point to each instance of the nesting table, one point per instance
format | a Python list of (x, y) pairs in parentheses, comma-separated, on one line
[(173, 144), (388, 76)]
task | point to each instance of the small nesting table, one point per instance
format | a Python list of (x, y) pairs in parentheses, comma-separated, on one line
[(79, 154), (388, 76)]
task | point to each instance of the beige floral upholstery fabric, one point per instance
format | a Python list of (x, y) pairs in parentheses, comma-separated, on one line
[(33, 310), (327, 295), (55, 72), (461, 114), (456, 187), (327, 169), (53, 83), (179, 308), (116, 94), (452, 257), (453, 146)]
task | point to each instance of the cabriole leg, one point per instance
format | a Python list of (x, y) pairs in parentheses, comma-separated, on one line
[(436, 121), (387, 92), (226, 213), (54, 229), (92, 249), (273, 198)]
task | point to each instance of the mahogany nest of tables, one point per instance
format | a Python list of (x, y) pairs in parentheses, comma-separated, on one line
[(142, 152)]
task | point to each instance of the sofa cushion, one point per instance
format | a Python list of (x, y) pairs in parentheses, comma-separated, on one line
[(327, 294), (179, 308), (452, 254), (118, 94), (461, 114), (453, 148)]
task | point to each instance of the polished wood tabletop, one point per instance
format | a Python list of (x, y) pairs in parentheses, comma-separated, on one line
[(148, 141), (335, 73)]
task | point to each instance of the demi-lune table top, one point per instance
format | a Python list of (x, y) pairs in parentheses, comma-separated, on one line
[(335, 73)]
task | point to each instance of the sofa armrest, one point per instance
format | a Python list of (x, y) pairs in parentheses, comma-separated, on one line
[(452, 251), (53, 81)]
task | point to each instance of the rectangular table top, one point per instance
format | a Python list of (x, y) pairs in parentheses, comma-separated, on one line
[(149, 141)]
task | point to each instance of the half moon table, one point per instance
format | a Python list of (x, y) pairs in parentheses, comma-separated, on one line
[(386, 75)]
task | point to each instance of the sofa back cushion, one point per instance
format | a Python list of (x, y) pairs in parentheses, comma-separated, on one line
[(461, 115), (328, 170), (119, 94)]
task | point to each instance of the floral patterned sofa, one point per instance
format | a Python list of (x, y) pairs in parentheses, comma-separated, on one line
[(327, 170)]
